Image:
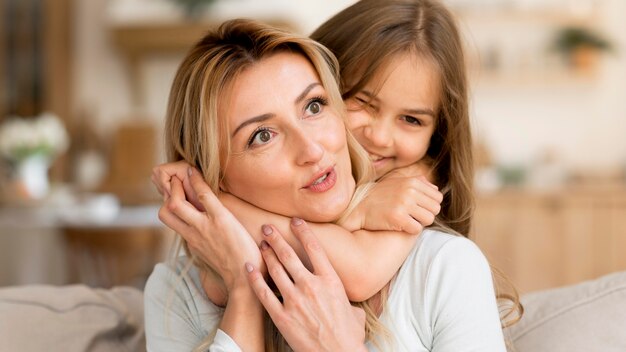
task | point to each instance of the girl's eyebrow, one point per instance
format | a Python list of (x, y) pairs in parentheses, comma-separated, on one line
[(369, 95), (424, 111), (419, 111)]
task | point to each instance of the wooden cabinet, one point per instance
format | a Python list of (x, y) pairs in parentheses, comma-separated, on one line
[(543, 240)]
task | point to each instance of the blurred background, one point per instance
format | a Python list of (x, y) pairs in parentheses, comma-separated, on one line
[(84, 86)]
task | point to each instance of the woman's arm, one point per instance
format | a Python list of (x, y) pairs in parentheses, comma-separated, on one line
[(225, 246)]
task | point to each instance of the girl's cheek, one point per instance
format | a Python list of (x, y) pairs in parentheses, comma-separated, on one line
[(357, 119)]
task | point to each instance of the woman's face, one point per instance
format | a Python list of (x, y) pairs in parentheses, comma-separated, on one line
[(393, 117), (289, 151)]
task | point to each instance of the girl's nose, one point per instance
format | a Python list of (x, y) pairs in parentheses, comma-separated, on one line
[(378, 132)]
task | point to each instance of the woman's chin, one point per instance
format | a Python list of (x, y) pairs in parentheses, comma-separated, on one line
[(328, 212)]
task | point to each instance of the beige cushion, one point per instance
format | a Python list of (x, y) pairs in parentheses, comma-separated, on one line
[(71, 318), (590, 316)]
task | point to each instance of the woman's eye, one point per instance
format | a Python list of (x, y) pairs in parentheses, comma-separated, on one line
[(412, 120), (260, 137), (315, 106)]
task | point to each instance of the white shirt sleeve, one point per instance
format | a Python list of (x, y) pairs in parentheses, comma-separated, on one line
[(460, 299), (179, 317)]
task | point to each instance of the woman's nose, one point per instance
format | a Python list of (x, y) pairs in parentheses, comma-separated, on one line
[(308, 149), (378, 132)]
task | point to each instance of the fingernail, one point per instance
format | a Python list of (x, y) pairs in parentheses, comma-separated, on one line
[(297, 221), (189, 171), (249, 267), (267, 230), (264, 245)]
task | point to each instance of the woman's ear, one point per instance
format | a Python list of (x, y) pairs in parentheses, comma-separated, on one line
[(223, 186)]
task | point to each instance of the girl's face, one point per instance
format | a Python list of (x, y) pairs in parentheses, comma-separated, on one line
[(393, 117), (289, 151)]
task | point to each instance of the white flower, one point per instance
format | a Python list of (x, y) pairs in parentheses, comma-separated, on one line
[(20, 138)]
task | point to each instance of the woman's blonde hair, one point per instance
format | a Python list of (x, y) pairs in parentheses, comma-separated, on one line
[(194, 131), (365, 37)]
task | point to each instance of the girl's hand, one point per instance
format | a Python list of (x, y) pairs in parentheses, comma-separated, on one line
[(397, 203), (315, 314), (214, 235), (162, 179)]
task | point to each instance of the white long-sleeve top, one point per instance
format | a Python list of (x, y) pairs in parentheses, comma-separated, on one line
[(442, 299)]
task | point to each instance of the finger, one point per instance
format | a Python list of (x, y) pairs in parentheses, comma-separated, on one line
[(411, 225), (316, 254), (425, 180), (286, 255), (155, 181), (276, 270), (265, 295), (174, 222), (205, 195), (161, 180), (359, 313), (424, 216), (429, 189), (191, 194), (178, 205), (429, 204)]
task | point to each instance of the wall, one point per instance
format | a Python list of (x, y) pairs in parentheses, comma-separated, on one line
[(579, 121)]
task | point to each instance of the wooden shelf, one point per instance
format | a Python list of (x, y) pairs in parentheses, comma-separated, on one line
[(142, 40)]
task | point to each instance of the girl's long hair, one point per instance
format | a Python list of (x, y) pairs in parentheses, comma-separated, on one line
[(366, 37)]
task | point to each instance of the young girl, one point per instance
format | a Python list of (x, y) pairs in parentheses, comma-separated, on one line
[(404, 81)]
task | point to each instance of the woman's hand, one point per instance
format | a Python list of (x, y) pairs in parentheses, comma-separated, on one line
[(315, 314), (214, 234), (400, 201), (162, 179)]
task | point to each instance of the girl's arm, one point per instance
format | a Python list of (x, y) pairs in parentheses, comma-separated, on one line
[(364, 260)]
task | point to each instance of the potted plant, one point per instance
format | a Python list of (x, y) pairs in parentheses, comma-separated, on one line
[(580, 46), (194, 8)]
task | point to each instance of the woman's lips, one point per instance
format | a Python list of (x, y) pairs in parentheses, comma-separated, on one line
[(323, 183)]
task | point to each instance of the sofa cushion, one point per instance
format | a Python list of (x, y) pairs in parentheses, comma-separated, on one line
[(590, 316), (71, 318)]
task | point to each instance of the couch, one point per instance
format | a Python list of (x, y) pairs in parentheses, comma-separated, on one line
[(590, 316)]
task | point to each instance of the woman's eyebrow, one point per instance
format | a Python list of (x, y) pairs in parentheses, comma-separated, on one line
[(259, 118), (268, 116), (305, 92)]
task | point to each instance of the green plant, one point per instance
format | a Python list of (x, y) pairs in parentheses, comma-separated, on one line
[(568, 39), (192, 7)]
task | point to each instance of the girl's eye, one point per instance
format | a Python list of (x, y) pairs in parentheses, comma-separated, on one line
[(412, 120), (260, 137), (365, 104), (315, 106)]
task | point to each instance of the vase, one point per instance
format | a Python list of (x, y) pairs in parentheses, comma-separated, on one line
[(32, 173)]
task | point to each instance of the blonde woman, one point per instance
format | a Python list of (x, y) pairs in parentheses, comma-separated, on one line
[(294, 135)]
